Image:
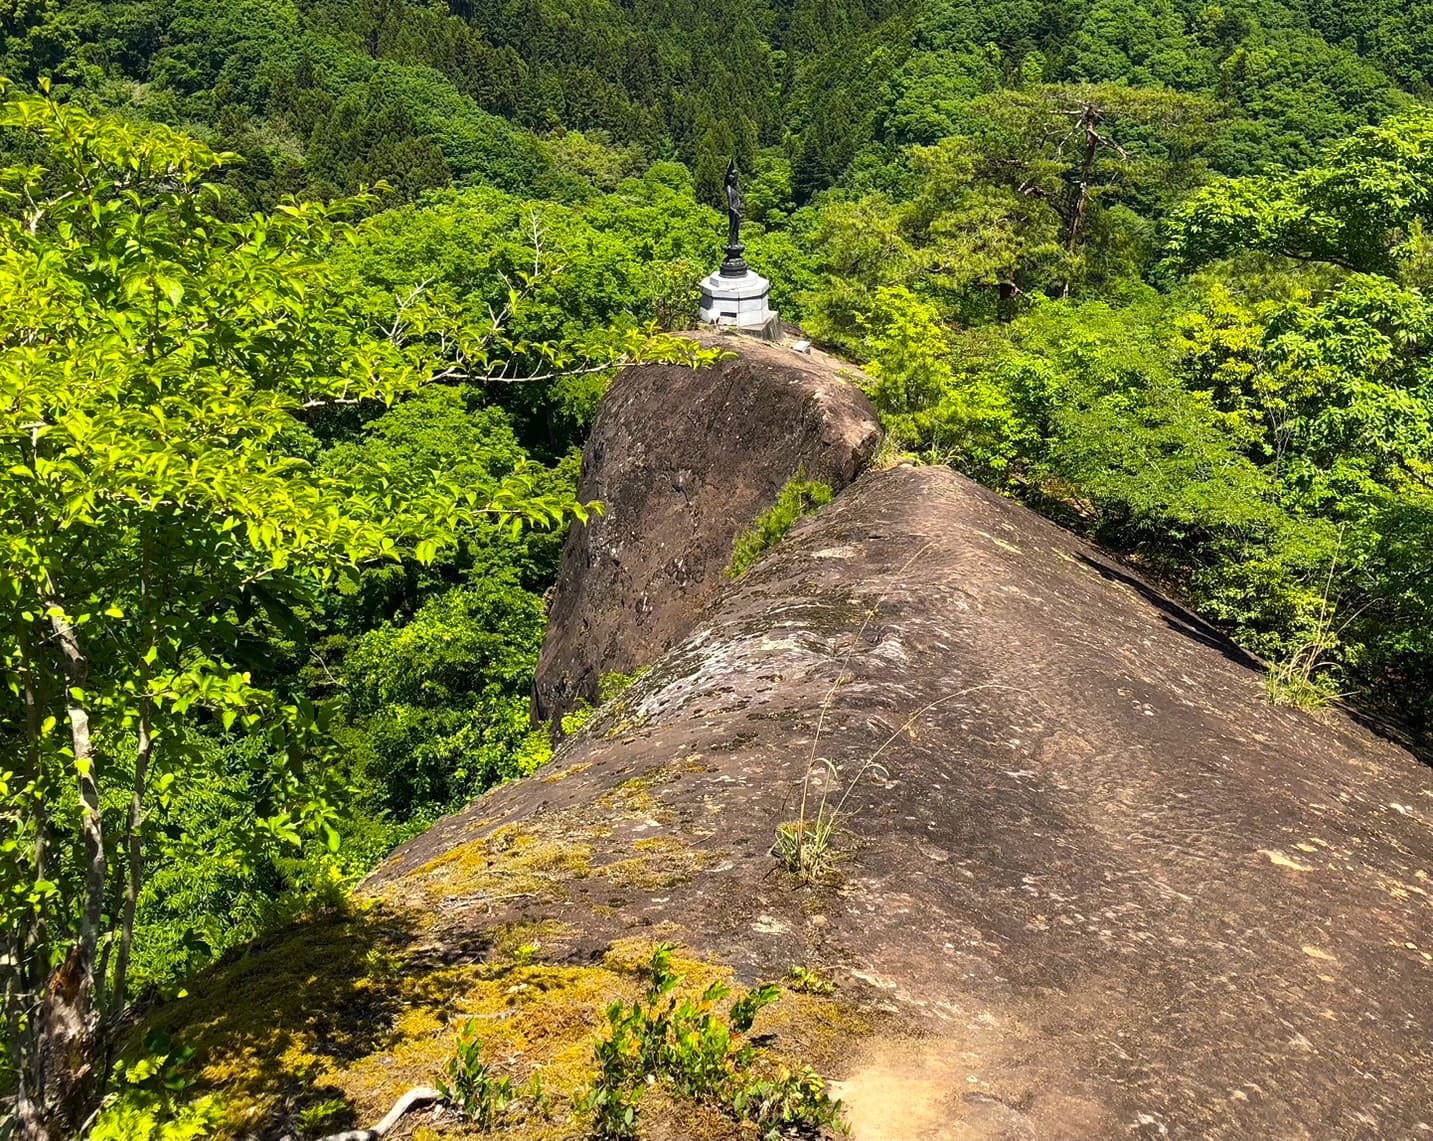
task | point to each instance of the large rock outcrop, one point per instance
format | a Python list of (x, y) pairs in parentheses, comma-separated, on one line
[(1102, 889), (683, 462), (1098, 887)]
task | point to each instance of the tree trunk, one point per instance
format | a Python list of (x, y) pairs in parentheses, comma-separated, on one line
[(67, 1024), (1089, 120), (64, 1063), (1005, 302)]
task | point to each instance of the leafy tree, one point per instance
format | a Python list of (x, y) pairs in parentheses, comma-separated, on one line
[(981, 246), (1082, 149), (589, 280), (159, 367), (1364, 208), (860, 247), (156, 369), (441, 704)]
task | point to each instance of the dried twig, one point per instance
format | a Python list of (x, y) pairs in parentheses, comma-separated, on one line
[(418, 1095)]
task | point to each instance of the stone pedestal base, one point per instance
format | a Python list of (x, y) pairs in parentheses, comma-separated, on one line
[(740, 301)]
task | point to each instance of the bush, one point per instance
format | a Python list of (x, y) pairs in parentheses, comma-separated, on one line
[(799, 497), (468, 1084), (687, 1045), (439, 706)]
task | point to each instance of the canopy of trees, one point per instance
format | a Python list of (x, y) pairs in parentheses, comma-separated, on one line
[(308, 304)]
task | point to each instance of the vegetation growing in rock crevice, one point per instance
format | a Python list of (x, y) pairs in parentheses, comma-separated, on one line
[(687, 1044), (799, 496), (610, 686)]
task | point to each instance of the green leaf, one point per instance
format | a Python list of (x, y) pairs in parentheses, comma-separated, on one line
[(170, 288)]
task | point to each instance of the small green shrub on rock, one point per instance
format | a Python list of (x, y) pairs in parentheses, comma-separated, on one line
[(688, 1046), (799, 497), (468, 1085), (609, 686)]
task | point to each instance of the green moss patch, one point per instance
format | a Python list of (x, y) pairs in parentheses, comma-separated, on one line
[(357, 1008)]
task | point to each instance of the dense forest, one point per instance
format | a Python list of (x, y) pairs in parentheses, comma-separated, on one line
[(308, 303)]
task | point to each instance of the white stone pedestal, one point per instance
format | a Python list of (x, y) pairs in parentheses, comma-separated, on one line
[(740, 301)]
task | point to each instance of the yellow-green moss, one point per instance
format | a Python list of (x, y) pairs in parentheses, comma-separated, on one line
[(569, 771), (362, 1005), (510, 863), (634, 796), (351, 1007), (525, 943), (661, 862)]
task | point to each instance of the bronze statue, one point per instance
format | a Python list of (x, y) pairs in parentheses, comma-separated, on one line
[(734, 264), (733, 206)]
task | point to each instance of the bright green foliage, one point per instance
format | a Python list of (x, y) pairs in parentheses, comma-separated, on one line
[(808, 981), (326, 96), (908, 352), (859, 246), (213, 882), (156, 368), (468, 1084), (787, 1101), (1276, 87), (149, 1103), (609, 686), (440, 704), (1041, 192), (216, 887), (1269, 457), (1365, 207), (134, 1119), (590, 280), (233, 491), (156, 488), (167, 377), (556, 98), (612, 684), (928, 402), (800, 496), (686, 1044)]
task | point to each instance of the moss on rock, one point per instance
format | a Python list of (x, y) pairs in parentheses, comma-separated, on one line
[(359, 1006)]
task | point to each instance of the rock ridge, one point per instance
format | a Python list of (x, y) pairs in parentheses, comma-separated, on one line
[(683, 462), (1103, 888)]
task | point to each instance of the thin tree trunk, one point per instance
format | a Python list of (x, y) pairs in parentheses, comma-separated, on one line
[(67, 1022), (1089, 120), (134, 846), (77, 674)]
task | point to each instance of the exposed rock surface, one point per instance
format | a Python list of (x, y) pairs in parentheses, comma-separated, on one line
[(1106, 891), (684, 461)]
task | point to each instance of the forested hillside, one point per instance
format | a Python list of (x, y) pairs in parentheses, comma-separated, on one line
[(308, 305), (320, 96)]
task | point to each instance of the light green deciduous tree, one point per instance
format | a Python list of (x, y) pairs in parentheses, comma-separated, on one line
[(158, 495)]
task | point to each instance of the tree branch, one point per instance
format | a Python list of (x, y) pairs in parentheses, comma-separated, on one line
[(418, 1095)]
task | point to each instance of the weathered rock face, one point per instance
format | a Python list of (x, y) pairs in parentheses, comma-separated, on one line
[(684, 461), (1103, 889)]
